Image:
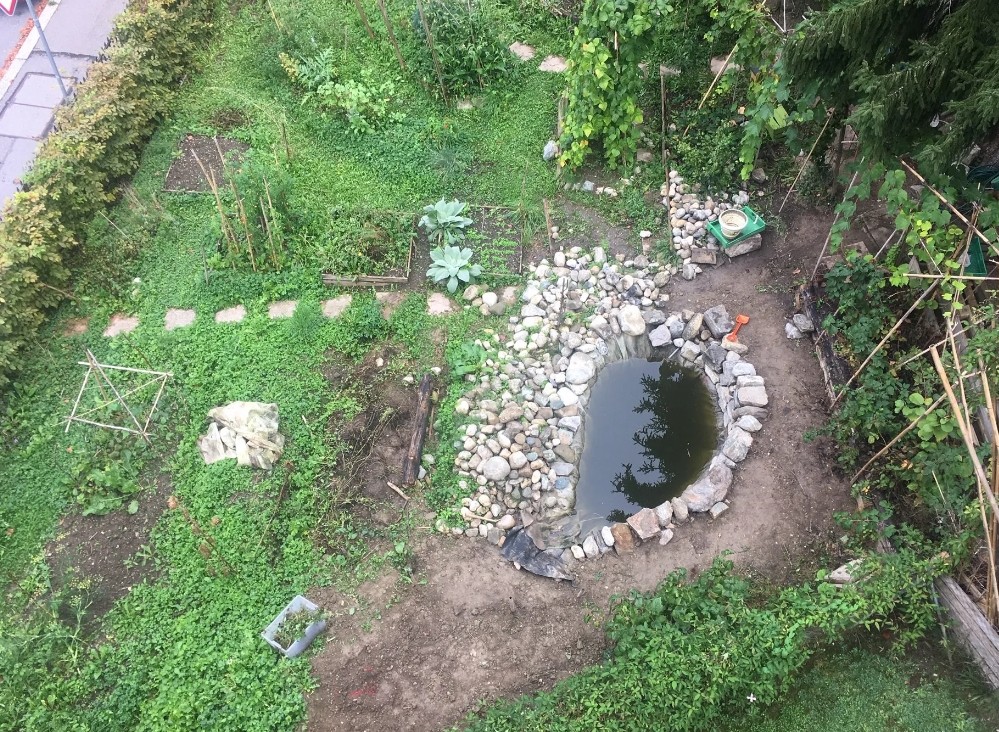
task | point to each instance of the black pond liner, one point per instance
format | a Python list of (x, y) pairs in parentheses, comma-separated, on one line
[(651, 428)]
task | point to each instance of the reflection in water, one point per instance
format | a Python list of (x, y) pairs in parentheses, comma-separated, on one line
[(650, 430)]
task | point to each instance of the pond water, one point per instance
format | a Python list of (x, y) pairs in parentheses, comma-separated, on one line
[(650, 430)]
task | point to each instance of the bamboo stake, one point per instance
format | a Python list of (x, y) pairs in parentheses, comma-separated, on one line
[(989, 526), (227, 232), (662, 126), (825, 246), (829, 116), (94, 364), (949, 205), (391, 34), (433, 49), (897, 437), (965, 431), (364, 19), (945, 276), (721, 71), (898, 324)]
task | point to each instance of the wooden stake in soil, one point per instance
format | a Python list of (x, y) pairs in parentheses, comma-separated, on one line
[(662, 125), (364, 19), (829, 116), (391, 34), (433, 49), (825, 245), (411, 463)]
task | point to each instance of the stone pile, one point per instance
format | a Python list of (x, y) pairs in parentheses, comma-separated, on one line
[(689, 215), (244, 431), (522, 419)]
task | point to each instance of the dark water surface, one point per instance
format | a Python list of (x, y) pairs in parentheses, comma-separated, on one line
[(650, 430)]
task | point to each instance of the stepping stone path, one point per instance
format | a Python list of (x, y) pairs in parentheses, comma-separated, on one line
[(389, 301), (438, 304), (231, 315), (553, 65), (76, 326), (177, 318), (121, 324), (522, 51), (281, 309), (334, 308)]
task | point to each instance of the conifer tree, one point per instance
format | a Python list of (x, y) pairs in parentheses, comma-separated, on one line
[(898, 65)]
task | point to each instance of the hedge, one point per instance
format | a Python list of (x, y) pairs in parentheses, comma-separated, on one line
[(96, 145)]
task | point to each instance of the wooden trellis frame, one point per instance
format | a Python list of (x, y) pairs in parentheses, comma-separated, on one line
[(97, 373)]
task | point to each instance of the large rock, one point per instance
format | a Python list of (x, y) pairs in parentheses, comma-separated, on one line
[(645, 523), (737, 445), (718, 321), (495, 468), (752, 396), (511, 413), (745, 246), (664, 514), (581, 369), (680, 510), (590, 547), (251, 434), (631, 320), (661, 336), (709, 489), (624, 538), (693, 327)]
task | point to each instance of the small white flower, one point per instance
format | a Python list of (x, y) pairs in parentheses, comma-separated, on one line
[(751, 698), (137, 281)]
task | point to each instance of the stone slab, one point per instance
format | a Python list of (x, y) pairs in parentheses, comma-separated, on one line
[(699, 255), (281, 309), (645, 523), (231, 315), (21, 120), (121, 324), (178, 318), (39, 90), (745, 246), (335, 308), (553, 65), (439, 304), (522, 51)]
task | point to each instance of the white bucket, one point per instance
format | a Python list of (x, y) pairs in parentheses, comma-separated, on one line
[(732, 222)]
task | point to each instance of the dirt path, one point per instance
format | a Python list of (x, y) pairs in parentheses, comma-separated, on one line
[(478, 629)]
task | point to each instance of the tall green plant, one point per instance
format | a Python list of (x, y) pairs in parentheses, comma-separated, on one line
[(604, 80)]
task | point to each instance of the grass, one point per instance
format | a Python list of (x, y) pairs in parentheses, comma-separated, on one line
[(864, 691)]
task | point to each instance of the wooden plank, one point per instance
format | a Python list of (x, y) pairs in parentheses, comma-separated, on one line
[(411, 463), (332, 280), (970, 627)]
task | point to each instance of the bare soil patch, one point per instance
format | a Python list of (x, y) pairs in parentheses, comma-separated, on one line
[(102, 550), (456, 641), (186, 176), (585, 227)]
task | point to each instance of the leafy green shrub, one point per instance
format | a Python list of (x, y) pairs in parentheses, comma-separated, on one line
[(469, 358), (366, 104), (690, 654), (364, 320), (452, 264), (96, 144), (367, 242), (443, 221), (466, 46)]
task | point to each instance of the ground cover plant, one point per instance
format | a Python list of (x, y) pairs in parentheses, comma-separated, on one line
[(345, 149)]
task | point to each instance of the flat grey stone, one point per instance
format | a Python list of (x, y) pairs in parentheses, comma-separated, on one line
[(335, 308), (699, 255), (644, 523), (710, 488), (581, 369), (680, 510), (231, 315), (39, 90), (718, 509), (631, 320), (792, 333), (737, 445), (752, 396), (718, 321), (746, 246), (660, 336)]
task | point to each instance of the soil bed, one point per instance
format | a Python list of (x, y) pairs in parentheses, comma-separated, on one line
[(186, 176)]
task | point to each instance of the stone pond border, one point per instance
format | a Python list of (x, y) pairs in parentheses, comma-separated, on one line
[(521, 422)]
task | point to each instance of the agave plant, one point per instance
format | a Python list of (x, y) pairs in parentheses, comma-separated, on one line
[(451, 264), (444, 223)]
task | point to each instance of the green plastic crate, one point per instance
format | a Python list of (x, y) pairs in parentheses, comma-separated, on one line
[(754, 226), (976, 259)]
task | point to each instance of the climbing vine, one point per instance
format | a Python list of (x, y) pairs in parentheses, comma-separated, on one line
[(604, 80)]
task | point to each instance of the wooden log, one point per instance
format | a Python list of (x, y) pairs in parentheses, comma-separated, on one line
[(971, 628), (332, 280), (411, 463)]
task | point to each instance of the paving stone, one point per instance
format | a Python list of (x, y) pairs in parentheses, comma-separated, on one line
[(39, 90), (121, 324), (178, 318), (334, 308), (234, 314), (281, 309), (522, 51), (553, 65), (21, 120), (439, 304)]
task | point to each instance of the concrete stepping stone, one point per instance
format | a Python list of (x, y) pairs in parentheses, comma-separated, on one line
[(389, 302), (231, 315), (121, 324), (281, 309), (522, 51), (178, 318), (335, 308), (76, 326), (439, 304), (553, 65)]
